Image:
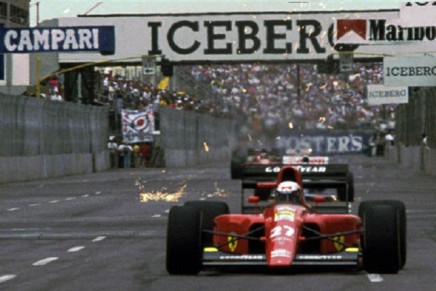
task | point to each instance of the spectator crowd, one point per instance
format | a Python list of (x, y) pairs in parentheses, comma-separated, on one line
[(269, 95), (265, 97)]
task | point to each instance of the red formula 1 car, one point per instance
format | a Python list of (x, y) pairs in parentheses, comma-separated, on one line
[(286, 234)]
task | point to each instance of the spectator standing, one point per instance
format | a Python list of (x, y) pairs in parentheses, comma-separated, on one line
[(372, 145), (380, 144), (389, 138), (424, 139), (145, 154), (113, 152), (125, 153), (136, 156)]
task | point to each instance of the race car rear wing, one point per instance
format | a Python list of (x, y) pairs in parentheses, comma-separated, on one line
[(332, 179), (308, 172)]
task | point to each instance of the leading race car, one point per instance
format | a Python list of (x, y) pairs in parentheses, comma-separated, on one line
[(244, 158), (286, 234)]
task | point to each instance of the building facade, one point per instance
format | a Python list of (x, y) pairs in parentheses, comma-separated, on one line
[(14, 68)]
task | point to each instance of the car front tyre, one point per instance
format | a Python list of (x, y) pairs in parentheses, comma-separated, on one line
[(184, 245)]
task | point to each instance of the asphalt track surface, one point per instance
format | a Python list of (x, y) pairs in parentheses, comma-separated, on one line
[(96, 232)]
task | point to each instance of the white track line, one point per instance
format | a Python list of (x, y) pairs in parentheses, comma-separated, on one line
[(45, 261), (13, 209), (99, 238), (8, 277), (76, 249), (375, 278)]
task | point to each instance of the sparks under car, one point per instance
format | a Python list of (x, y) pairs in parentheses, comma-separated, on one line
[(288, 233)]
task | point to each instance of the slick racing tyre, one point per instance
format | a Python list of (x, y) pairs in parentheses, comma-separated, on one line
[(382, 248), (184, 245), (342, 192), (401, 209), (210, 210), (263, 194), (350, 187), (236, 168)]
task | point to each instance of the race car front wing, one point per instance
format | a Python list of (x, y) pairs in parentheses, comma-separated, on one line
[(214, 258)]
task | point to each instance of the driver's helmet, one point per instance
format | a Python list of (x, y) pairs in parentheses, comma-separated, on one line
[(263, 154), (289, 192)]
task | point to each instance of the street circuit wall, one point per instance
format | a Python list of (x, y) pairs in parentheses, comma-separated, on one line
[(46, 139), (412, 120), (190, 138)]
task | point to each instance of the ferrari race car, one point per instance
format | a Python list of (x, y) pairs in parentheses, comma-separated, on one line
[(300, 156), (288, 233), (328, 179), (242, 158), (263, 165)]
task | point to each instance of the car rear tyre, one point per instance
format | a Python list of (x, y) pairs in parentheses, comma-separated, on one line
[(381, 239), (342, 192), (350, 187), (236, 169), (401, 210), (210, 210), (184, 245)]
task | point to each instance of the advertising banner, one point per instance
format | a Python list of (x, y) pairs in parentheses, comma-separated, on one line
[(58, 39), (413, 14), (410, 71), (137, 125), (380, 94), (257, 36), (325, 143)]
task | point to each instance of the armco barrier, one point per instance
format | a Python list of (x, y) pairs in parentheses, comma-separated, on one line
[(45, 139)]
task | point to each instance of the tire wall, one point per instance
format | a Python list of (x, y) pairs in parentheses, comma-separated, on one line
[(412, 120), (44, 139), (190, 138)]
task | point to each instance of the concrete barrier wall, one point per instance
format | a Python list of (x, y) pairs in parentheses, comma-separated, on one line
[(190, 138), (412, 119), (45, 139), (415, 158)]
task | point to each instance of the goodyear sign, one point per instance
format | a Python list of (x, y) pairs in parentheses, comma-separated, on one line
[(58, 39)]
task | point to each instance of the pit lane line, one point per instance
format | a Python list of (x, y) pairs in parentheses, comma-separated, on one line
[(48, 260)]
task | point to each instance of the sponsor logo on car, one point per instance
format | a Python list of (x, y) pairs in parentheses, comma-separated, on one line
[(281, 253), (241, 257), (312, 169)]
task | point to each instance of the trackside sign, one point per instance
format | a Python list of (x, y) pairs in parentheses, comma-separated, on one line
[(418, 13), (380, 94), (58, 39), (409, 71), (257, 36)]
